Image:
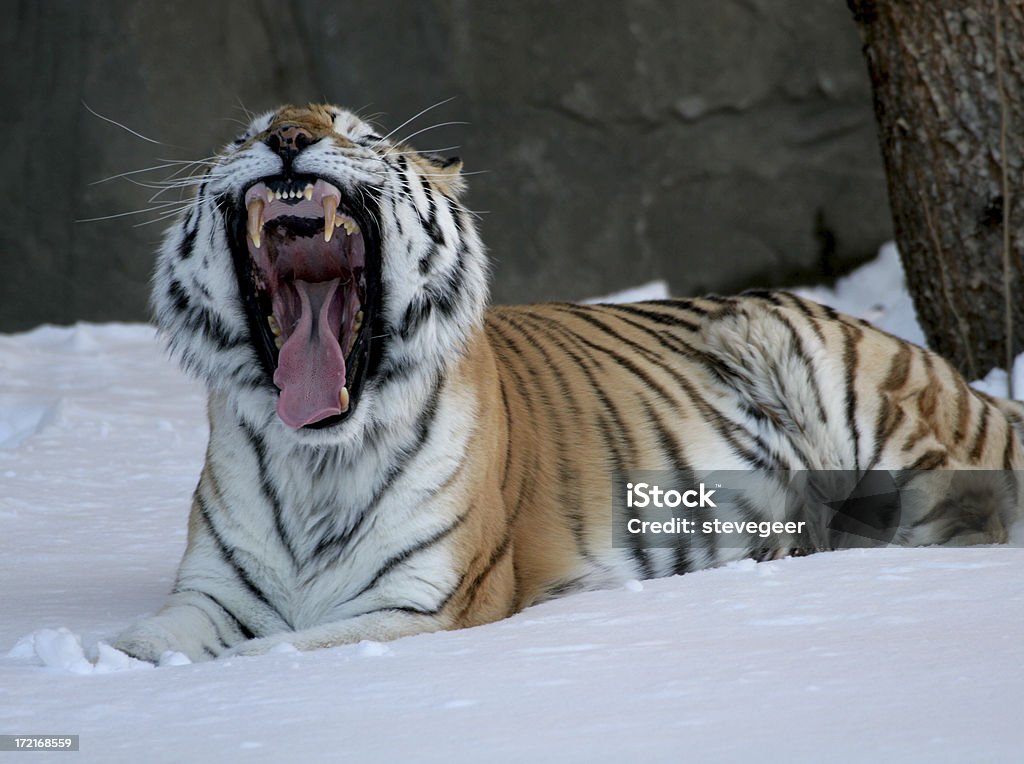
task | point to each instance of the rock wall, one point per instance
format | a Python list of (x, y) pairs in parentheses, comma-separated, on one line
[(717, 144)]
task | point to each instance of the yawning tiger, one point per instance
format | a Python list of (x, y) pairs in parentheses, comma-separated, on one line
[(389, 456)]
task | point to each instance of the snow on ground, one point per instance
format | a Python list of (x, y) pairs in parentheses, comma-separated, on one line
[(866, 655)]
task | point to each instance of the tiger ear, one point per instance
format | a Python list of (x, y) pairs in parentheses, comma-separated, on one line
[(446, 173)]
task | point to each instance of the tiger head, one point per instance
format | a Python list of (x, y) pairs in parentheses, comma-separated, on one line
[(322, 277)]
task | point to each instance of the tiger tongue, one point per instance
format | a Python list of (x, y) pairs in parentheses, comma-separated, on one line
[(311, 368)]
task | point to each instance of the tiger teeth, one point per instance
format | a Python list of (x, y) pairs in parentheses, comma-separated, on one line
[(256, 209), (350, 226), (274, 327), (330, 212), (279, 341), (343, 399), (254, 223)]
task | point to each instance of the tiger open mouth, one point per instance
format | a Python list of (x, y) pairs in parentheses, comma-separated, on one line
[(307, 267)]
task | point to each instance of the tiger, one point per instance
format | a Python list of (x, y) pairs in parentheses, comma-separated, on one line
[(390, 455)]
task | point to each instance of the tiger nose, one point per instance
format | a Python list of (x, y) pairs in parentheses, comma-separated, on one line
[(288, 140)]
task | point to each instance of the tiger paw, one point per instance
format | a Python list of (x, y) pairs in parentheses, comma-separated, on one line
[(146, 641), (151, 641)]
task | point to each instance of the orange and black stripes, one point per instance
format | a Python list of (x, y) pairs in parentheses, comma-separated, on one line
[(751, 383)]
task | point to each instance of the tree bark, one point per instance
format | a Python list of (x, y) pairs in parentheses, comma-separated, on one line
[(948, 76)]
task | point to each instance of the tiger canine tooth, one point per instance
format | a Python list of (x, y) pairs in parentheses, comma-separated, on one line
[(343, 399), (254, 223), (274, 327), (330, 211)]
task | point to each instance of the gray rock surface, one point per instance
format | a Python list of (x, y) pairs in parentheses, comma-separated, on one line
[(717, 144)]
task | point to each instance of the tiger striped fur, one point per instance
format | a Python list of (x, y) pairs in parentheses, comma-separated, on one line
[(470, 474)]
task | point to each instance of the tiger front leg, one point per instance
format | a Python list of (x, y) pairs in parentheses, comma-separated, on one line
[(190, 623)]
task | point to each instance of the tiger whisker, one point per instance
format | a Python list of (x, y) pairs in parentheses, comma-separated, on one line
[(210, 160), (443, 175), (161, 217), (156, 207), (158, 185), (248, 114), (131, 172), (155, 198), (418, 151), (427, 129), (414, 118), (123, 127)]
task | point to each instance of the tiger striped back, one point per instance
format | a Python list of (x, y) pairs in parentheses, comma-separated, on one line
[(765, 381)]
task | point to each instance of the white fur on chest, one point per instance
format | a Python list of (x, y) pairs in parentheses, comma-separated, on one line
[(327, 534)]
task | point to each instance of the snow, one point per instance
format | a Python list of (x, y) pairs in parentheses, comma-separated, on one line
[(892, 654), (653, 290)]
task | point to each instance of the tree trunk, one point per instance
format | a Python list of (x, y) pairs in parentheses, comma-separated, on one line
[(948, 76)]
